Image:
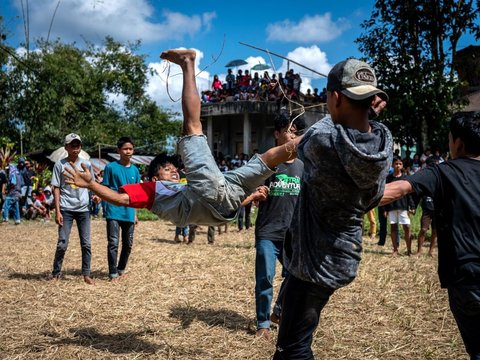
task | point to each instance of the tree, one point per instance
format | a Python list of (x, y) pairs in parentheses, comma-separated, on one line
[(412, 46), (96, 91)]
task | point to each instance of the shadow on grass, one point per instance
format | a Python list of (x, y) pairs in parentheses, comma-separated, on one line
[(226, 318), (163, 241), (120, 343), (43, 276)]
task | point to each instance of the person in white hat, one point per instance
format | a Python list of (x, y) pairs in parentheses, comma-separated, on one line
[(71, 203)]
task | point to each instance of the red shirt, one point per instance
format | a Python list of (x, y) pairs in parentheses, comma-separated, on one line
[(141, 195)]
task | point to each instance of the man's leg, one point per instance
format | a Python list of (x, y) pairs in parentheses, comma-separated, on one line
[(277, 307), (382, 222), (240, 216), (16, 211), (83, 226), (113, 235), (248, 209), (265, 261), (62, 244), (192, 232), (190, 98), (465, 306), (211, 234), (302, 305), (128, 229)]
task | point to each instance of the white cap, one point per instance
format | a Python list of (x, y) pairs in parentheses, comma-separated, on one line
[(47, 188), (70, 137)]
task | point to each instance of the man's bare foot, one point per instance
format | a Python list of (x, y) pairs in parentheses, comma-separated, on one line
[(88, 280), (53, 277), (395, 253), (264, 333), (179, 57), (430, 254)]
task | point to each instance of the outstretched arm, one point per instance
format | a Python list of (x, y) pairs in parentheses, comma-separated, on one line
[(395, 190), (84, 179), (282, 153)]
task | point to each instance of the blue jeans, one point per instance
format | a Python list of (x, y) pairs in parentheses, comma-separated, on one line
[(9, 204), (267, 252), (465, 306), (244, 212), (181, 231), (83, 225), (113, 235), (302, 304)]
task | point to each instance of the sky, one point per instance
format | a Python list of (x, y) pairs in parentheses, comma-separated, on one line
[(315, 33)]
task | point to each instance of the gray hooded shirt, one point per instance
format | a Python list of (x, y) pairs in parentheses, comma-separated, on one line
[(344, 177)]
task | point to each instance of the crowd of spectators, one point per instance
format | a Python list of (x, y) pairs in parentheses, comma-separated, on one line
[(266, 87)]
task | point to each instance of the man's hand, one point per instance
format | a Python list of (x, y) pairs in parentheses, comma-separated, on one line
[(261, 193), (78, 178), (377, 106), (59, 218)]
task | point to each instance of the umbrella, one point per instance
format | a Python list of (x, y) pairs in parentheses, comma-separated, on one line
[(61, 153), (238, 62), (261, 67)]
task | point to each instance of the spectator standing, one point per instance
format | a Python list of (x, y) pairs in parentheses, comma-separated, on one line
[(120, 219), (71, 203), (3, 187), (230, 80), (398, 211), (13, 193), (273, 220)]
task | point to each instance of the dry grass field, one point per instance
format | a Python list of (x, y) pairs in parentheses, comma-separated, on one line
[(197, 302)]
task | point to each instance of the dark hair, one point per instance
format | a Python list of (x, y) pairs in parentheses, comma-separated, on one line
[(124, 140), (466, 126), (283, 119), (397, 158), (160, 161), (34, 192)]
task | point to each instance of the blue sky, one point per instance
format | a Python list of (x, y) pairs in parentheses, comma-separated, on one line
[(315, 33)]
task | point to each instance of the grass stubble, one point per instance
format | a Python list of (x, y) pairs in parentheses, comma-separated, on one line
[(197, 302)]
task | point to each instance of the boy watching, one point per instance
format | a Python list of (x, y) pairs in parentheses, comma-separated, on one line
[(454, 187), (397, 211)]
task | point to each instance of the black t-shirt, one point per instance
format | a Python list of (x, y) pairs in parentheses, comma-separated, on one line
[(455, 188), (405, 203), (275, 213)]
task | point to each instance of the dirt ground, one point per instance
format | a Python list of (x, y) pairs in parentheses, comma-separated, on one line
[(197, 302)]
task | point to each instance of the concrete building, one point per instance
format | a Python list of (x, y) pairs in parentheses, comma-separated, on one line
[(245, 126)]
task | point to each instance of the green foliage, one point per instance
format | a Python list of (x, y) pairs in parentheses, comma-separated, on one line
[(145, 215), (412, 45), (98, 92)]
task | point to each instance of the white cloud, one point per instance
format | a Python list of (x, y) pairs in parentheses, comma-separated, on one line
[(170, 98), (123, 19), (317, 28), (312, 57)]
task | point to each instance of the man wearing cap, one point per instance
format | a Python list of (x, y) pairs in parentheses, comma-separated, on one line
[(346, 159), (71, 203)]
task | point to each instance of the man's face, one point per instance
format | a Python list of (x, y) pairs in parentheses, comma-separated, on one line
[(398, 165), (285, 134), (74, 148), (169, 172), (126, 151)]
